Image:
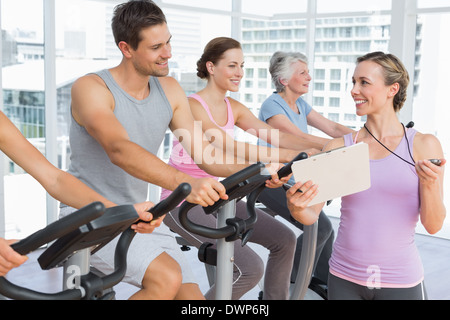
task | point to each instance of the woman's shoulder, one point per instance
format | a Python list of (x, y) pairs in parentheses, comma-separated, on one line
[(334, 144), (273, 99), (426, 145)]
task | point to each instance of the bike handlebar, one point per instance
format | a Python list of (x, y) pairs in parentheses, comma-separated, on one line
[(232, 185), (245, 182), (171, 202), (287, 169), (59, 228), (71, 223)]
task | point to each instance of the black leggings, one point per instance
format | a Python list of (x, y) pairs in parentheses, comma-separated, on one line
[(268, 232), (340, 289)]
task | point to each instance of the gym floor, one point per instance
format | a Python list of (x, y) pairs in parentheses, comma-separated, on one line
[(435, 253)]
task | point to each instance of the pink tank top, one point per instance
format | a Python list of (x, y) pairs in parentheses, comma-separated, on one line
[(180, 158), (375, 243)]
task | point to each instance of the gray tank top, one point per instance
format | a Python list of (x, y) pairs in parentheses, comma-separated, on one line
[(145, 121)]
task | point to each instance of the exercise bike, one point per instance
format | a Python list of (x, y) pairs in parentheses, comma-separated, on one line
[(85, 231), (249, 182)]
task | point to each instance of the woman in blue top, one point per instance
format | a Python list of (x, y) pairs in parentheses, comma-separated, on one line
[(286, 111)]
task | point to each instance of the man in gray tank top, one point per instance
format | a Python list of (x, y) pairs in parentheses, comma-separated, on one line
[(119, 119)]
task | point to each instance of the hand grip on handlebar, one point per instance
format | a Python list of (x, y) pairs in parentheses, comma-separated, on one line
[(287, 169), (172, 201), (233, 181), (237, 186)]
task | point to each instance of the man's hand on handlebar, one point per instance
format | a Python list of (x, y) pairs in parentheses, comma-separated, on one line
[(206, 192), (144, 215), (9, 259), (275, 181)]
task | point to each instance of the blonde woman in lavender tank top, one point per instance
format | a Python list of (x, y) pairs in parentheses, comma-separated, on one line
[(374, 256)]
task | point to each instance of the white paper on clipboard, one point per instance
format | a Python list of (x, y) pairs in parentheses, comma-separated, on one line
[(337, 172)]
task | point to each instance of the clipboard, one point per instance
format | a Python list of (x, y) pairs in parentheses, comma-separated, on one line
[(339, 172)]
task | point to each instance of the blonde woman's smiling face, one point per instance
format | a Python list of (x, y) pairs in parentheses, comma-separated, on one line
[(369, 90)]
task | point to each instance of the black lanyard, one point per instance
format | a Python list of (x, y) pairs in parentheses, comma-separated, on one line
[(407, 143)]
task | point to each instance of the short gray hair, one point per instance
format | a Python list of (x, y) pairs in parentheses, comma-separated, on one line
[(280, 67)]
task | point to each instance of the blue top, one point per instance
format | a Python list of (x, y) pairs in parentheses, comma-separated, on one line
[(275, 104)]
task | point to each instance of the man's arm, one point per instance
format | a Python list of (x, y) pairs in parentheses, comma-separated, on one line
[(93, 109)]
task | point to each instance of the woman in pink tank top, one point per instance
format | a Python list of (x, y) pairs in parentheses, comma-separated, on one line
[(374, 256), (222, 66)]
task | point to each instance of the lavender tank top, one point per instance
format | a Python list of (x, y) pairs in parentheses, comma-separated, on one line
[(180, 158), (375, 243)]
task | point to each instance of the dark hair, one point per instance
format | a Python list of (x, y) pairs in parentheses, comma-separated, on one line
[(133, 16), (213, 52), (394, 72)]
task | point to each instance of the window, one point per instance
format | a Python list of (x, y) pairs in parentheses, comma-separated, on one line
[(318, 102), (257, 7), (362, 46), (330, 46), (84, 43), (335, 102), (363, 32), (221, 5), (346, 32), (335, 74), (432, 3), (333, 117), (319, 86), (335, 62), (262, 73), (335, 87), (24, 103), (261, 98), (324, 6), (23, 68), (434, 50), (319, 74), (343, 31), (262, 84), (346, 46)]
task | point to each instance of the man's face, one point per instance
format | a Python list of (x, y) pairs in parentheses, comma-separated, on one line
[(151, 58)]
